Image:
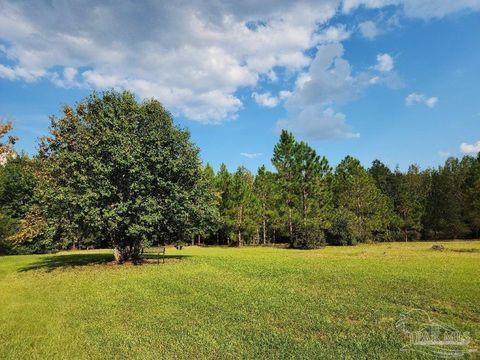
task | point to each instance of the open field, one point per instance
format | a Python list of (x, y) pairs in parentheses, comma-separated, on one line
[(338, 302)]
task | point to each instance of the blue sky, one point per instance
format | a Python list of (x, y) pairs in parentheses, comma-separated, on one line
[(394, 80)]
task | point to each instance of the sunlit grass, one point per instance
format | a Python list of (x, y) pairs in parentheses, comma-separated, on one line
[(253, 302)]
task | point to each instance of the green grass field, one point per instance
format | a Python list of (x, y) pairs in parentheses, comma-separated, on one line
[(253, 302)]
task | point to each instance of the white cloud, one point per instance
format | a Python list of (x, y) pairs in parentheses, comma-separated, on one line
[(329, 81), (266, 99), (384, 63), (193, 56), (7, 73), (302, 79), (431, 101), (98, 80), (425, 9), (67, 79), (328, 84), (272, 75), (251, 155), (368, 29), (470, 148), (444, 154), (318, 123), (69, 73), (284, 94), (381, 24), (415, 98), (332, 34), (21, 73)]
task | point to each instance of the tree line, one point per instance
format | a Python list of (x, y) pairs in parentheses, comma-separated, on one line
[(116, 172), (307, 203)]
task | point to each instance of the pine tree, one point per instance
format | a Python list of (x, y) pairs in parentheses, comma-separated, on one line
[(315, 204), (445, 206), (472, 197), (267, 197), (207, 214), (366, 212), (410, 204), (305, 188), (384, 178), (223, 185), (242, 207), (284, 161)]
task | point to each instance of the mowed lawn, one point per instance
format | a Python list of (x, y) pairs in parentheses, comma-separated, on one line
[(253, 302)]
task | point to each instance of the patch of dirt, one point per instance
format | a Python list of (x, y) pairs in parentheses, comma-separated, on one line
[(472, 250), (437, 247)]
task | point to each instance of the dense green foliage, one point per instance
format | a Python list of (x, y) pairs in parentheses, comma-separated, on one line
[(306, 204), (118, 172), (115, 172), (8, 227), (19, 206), (17, 183), (224, 303), (8, 206), (366, 212)]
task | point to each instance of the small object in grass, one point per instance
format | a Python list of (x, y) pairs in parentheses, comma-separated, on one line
[(161, 252), (438, 247)]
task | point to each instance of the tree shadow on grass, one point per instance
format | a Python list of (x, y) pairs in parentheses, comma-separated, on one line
[(50, 263), (53, 262)]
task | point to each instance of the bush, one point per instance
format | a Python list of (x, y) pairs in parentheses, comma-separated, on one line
[(32, 235), (17, 186), (309, 236), (339, 233), (8, 227)]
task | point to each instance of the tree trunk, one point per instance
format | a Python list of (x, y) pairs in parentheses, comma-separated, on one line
[(240, 220), (117, 254), (127, 253), (304, 201), (199, 239), (290, 226), (264, 232)]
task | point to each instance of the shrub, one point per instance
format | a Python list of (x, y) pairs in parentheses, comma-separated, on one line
[(8, 227)]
